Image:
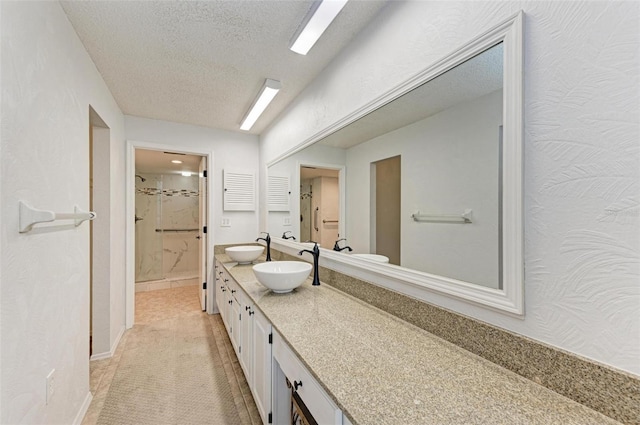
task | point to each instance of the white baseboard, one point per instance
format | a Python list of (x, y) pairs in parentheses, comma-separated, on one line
[(111, 352), (83, 409)]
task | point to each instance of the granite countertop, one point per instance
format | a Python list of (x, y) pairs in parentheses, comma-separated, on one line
[(381, 370)]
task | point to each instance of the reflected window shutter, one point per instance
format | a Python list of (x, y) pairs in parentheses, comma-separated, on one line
[(239, 191), (278, 193)]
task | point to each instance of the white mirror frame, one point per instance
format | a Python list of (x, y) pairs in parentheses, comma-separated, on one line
[(418, 284)]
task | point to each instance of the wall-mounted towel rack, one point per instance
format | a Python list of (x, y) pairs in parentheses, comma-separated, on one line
[(30, 216), (177, 230), (329, 221), (465, 217)]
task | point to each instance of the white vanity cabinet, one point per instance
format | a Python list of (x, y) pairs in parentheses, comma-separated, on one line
[(321, 407), (251, 336)]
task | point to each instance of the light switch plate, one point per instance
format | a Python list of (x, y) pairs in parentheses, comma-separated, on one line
[(286, 221), (226, 222)]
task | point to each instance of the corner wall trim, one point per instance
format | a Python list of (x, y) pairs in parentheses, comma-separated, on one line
[(83, 409), (114, 346)]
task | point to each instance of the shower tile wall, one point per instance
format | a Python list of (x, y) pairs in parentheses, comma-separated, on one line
[(166, 202)]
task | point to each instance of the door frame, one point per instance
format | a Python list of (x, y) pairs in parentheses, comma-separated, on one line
[(130, 202)]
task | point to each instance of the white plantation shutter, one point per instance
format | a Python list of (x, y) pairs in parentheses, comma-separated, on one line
[(278, 193), (239, 190)]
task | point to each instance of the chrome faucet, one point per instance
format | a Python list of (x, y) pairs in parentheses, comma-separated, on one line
[(316, 255), (336, 247), (284, 235), (268, 241)]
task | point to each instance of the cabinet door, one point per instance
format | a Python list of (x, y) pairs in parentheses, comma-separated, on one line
[(246, 340), (234, 322), (261, 364), (219, 287)]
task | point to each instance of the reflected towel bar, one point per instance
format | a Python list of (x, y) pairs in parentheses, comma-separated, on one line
[(177, 230), (464, 218), (30, 216), (329, 221)]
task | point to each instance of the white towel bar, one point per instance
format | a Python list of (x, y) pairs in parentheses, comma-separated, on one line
[(30, 216), (465, 217)]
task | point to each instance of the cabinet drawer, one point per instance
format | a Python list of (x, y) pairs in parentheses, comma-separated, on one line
[(314, 397)]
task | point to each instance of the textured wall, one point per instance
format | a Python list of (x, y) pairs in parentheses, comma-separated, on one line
[(582, 157), (48, 83)]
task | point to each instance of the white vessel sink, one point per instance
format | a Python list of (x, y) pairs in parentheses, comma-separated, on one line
[(282, 276), (373, 257), (244, 254)]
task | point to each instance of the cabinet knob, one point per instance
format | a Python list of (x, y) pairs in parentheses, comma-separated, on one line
[(297, 384), (226, 280), (223, 290), (246, 308), (230, 301), (251, 314), (233, 291), (220, 272)]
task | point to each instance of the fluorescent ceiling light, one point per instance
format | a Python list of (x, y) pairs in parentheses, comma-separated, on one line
[(186, 173), (267, 93), (176, 161), (315, 23)]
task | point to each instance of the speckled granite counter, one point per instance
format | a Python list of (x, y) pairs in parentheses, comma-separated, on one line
[(381, 370)]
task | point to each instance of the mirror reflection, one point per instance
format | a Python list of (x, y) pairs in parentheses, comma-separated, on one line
[(420, 178)]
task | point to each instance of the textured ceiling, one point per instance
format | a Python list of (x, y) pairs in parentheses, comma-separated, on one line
[(203, 63)]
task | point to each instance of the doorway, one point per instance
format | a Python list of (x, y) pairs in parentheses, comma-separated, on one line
[(174, 234), (170, 220), (99, 237)]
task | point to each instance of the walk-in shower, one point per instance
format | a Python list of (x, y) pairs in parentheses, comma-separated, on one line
[(166, 230)]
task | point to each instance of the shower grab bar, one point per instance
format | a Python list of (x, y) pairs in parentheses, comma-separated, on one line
[(177, 230), (329, 221), (30, 216), (464, 218)]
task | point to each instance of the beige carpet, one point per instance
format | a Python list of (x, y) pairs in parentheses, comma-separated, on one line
[(170, 373)]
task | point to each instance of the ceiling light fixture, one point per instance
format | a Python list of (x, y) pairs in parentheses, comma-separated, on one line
[(176, 161), (318, 19), (267, 93)]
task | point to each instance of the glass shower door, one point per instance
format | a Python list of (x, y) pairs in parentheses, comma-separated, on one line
[(148, 228)]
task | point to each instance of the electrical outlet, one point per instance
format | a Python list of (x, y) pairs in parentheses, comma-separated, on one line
[(226, 222), (286, 221), (50, 385)]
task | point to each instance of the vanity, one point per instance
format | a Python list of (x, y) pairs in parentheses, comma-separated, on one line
[(351, 363)]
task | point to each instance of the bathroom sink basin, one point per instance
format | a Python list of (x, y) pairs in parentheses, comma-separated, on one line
[(244, 254), (282, 276), (373, 257)]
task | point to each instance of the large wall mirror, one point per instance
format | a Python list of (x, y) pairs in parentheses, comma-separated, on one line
[(425, 183)]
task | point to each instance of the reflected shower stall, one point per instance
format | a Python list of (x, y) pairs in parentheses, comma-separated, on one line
[(166, 231)]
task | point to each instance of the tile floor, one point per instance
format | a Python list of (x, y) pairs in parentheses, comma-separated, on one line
[(160, 305)]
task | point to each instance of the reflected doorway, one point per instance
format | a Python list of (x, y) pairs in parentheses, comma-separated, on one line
[(319, 205), (386, 197)]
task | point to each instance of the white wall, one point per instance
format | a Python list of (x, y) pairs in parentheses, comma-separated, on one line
[(231, 150), (48, 83), (582, 159)]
